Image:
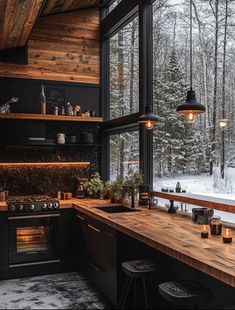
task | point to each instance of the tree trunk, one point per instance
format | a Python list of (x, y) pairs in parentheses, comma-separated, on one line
[(222, 155), (214, 106)]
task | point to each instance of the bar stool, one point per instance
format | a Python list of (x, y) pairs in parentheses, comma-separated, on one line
[(141, 270), (185, 293)]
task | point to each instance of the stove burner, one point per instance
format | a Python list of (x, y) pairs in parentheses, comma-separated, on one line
[(33, 203)]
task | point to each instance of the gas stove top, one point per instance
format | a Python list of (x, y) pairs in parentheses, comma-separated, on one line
[(33, 203)]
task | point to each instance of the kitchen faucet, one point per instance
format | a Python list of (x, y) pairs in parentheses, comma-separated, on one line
[(132, 193)]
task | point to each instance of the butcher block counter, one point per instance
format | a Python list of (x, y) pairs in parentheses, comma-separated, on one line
[(172, 234)]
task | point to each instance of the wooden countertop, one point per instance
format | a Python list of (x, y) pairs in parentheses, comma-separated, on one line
[(172, 234)]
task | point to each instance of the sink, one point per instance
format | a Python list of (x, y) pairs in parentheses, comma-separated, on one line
[(116, 209)]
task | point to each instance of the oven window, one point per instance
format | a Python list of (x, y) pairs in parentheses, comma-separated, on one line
[(30, 239)]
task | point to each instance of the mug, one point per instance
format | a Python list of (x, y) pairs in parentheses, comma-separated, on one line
[(61, 138)]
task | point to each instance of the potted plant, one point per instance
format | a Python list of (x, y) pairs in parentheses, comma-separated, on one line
[(131, 185), (94, 186)]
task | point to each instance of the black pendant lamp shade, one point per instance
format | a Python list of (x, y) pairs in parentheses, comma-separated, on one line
[(148, 118), (191, 107)]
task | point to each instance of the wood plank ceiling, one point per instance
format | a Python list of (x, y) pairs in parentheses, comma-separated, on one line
[(17, 17)]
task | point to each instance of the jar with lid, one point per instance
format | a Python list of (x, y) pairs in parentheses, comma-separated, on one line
[(69, 109), (216, 225)]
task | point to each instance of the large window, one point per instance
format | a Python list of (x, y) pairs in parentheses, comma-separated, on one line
[(200, 156), (124, 71), (124, 154), (113, 5)]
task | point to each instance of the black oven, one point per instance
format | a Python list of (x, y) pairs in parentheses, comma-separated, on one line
[(33, 239)]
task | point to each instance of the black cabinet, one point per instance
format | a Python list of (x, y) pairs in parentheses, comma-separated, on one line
[(3, 242), (99, 254)]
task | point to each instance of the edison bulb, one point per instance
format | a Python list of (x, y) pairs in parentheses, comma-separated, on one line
[(191, 117), (223, 122), (149, 125)]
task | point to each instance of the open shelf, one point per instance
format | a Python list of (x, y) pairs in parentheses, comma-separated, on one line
[(48, 117), (41, 146)]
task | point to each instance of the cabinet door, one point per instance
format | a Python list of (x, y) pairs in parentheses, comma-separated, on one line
[(3, 242), (100, 253)]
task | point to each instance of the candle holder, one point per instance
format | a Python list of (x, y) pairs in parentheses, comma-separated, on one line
[(205, 232), (227, 236)]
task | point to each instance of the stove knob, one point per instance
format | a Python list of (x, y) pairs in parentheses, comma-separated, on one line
[(12, 208), (44, 206), (21, 207), (50, 205), (56, 205), (32, 207)]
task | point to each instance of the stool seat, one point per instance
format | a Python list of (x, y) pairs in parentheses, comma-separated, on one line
[(139, 268), (184, 292)]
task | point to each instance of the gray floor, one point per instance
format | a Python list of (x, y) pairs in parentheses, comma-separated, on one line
[(58, 291)]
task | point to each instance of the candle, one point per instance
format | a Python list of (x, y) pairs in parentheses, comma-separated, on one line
[(227, 236), (205, 231)]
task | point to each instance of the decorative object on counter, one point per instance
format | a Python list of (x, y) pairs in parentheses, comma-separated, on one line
[(61, 138), (202, 215), (205, 231), (178, 187), (59, 196), (42, 100), (94, 186), (93, 113), (62, 110), (216, 226), (164, 189), (172, 208), (6, 107), (144, 196), (171, 190), (227, 236), (77, 110), (86, 113), (115, 189), (69, 109), (80, 188), (3, 192), (56, 110), (183, 190), (68, 196)]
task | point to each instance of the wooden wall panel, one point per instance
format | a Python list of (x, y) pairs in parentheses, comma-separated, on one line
[(64, 47)]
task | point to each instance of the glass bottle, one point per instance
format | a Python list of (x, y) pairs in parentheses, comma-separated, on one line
[(42, 100)]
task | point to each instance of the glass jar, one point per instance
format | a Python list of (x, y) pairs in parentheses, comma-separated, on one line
[(216, 225)]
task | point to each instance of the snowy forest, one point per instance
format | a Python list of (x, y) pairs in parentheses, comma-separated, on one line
[(202, 154)]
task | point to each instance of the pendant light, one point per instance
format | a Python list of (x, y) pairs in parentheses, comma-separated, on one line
[(148, 118), (191, 108)]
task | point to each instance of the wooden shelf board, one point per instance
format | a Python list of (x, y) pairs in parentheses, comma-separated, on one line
[(49, 117)]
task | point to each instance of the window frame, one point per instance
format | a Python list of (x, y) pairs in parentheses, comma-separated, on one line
[(125, 11)]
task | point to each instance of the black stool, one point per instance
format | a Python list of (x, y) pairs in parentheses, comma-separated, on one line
[(185, 293), (136, 270)]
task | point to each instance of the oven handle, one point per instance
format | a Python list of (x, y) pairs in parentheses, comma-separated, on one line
[(25, 217)]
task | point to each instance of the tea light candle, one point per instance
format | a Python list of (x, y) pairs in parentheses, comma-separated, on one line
[(205, 232), (227, 236)]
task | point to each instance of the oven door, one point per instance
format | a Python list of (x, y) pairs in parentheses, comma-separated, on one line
[(32, 239)]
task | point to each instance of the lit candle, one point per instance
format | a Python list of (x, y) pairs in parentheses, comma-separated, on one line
[(205, 231), (227, 236)]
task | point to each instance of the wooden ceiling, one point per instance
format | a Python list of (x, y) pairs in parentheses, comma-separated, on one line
[(60, 6), (17, 17)]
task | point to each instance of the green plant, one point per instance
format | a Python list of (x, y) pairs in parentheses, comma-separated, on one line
[(95, 184), (132, 183)]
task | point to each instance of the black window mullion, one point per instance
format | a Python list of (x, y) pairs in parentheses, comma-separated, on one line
[(146, 88)]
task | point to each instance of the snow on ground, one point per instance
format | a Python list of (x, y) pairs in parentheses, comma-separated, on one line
[(202, 185)]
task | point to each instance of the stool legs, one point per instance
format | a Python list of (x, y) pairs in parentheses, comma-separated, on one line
[(126, 289)]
